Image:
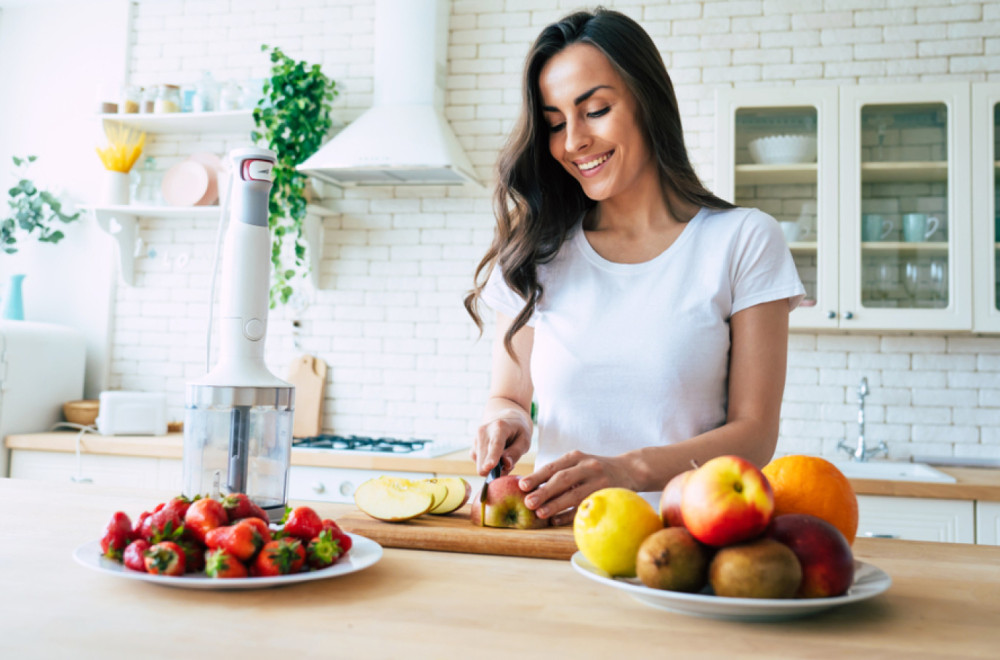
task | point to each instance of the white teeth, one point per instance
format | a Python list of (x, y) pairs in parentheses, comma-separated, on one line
[(594, 163)]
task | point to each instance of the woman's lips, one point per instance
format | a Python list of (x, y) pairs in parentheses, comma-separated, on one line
[(591, 166)]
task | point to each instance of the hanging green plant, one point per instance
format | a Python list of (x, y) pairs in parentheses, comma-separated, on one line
[(291, 119), (33, 211)]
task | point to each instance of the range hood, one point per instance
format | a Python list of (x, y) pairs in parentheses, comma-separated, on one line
[(403, 139)]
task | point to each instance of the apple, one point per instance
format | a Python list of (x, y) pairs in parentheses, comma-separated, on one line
[(727, 500), (393, 500), (825, 555), (505, 507), (670, 500), (459, 491)]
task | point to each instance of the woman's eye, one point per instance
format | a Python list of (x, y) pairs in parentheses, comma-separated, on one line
[(599, 113), (555, 128)]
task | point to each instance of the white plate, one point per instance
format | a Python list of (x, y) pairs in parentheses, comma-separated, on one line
[(869, 581), (363, 553)]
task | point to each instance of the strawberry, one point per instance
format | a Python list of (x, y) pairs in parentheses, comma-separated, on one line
[(165, 558), (241, 540), (303, 523), (181, 503), (194, 553), (323, 550), (261, 527), (164, 524), (239, 506), (344, 539), (221, 564), (279, 557), (117, 536), (135, 555), (330, 525), (204, 515)]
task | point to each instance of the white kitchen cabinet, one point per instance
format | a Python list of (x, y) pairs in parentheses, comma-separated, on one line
[(887, 151), (986, 206), (917, 519), (987, 523), (103, 470)]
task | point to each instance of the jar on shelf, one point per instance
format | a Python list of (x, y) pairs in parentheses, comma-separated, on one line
[(146, 183), (131, 97), (168, 99), (206, 93), (230, 97), (148, 98)]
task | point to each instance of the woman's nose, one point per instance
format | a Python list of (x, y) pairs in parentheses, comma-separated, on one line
[(577, 136)]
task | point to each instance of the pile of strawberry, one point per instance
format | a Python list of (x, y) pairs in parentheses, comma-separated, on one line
[(226, 538)]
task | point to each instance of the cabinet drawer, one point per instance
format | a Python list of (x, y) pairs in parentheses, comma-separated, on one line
[(335, 484), (917, 519), (988, 523), (103, 470)]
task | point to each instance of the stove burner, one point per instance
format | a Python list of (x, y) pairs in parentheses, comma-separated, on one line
[(362, 443)]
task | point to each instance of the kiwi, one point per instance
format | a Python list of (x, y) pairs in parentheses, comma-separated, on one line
[(672, 559)]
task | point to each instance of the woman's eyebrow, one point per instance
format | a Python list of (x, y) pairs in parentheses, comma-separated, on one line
[(578, 100)]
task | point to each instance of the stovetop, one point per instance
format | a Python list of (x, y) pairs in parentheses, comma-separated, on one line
[(356, 444)]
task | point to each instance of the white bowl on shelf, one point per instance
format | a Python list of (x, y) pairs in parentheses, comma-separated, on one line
[(783, 149)]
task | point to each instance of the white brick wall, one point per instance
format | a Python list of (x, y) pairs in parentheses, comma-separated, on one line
[(387, 318)]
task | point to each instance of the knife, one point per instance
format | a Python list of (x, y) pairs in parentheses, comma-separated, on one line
[(494, 473)]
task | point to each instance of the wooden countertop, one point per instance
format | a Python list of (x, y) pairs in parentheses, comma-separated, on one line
[(972, 484), (944, 603)]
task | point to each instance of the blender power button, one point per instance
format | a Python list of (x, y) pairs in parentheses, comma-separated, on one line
[(254, 329)]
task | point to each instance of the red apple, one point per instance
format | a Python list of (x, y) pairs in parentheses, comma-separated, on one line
[(505, 506), (670, 500), (727, 500), (823, 552)]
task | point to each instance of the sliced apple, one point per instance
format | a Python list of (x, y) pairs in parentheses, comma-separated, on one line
[(459, 491), (392, 500)]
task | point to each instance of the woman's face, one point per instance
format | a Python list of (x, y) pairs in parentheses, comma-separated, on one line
[(592, 119)]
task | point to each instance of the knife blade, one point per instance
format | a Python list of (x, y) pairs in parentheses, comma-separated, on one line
[(494, 473)]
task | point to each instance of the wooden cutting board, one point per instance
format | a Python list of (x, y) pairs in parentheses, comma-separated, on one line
[(308, 374), (454, 533)]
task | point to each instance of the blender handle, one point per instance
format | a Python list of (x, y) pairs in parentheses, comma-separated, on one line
[(239, 446)]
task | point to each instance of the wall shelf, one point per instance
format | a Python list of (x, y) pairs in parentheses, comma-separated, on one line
[(231, 121), (121, 223), (751, 175), (904, 172)]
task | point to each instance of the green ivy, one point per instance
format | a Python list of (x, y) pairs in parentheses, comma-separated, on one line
[(32, 211), (291, 119)]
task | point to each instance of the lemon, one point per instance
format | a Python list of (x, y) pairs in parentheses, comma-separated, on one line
[(609, 527)]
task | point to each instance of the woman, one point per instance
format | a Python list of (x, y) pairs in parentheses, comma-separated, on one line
[(646, 317)]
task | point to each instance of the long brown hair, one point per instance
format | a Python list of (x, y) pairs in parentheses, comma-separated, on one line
[(536, 201)]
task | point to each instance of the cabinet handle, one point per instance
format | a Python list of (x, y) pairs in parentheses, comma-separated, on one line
[(318, 487), (848, 315), (831, 314), (877, 535)]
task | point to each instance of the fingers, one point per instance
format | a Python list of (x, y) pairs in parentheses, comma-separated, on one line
[(564, 518), (500, 440)]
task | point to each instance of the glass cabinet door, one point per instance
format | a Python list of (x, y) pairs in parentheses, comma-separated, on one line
[(776, 151), (905, 227), (986, 205)]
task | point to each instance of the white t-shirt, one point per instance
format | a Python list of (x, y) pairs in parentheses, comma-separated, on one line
[(635, 355)]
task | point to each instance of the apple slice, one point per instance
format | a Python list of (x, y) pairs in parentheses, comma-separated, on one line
[(459, 491), (436, 489), (392, 500)]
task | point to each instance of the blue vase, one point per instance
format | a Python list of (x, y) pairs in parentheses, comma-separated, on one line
[(13, 308)]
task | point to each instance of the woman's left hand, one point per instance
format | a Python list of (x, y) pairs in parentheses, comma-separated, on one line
[(561, 485)]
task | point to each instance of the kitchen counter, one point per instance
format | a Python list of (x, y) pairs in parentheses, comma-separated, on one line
[(944, 603), (972, 484)]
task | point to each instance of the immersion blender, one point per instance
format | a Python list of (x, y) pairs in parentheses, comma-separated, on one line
[(238, 418)]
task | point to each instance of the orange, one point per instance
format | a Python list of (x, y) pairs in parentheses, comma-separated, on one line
[(814, 485)]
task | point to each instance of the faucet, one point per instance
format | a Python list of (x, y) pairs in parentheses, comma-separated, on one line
[(861, 453)]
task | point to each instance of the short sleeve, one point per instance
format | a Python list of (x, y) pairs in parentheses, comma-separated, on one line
[(763, 269), (501, 298)]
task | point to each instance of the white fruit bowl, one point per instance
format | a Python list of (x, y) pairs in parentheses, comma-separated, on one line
[(783, 149)]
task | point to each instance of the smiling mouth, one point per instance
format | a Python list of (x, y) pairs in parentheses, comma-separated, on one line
[(594, 163)]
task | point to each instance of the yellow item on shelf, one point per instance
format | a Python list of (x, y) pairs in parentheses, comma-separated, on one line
[(125, 146)]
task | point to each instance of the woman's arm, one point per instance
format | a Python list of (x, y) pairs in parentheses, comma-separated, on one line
[(506, 428), (758, 355)]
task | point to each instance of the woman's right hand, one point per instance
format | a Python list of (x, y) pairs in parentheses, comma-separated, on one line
[(506, 437)]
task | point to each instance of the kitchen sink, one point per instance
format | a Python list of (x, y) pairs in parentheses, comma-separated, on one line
[(893, 471)]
